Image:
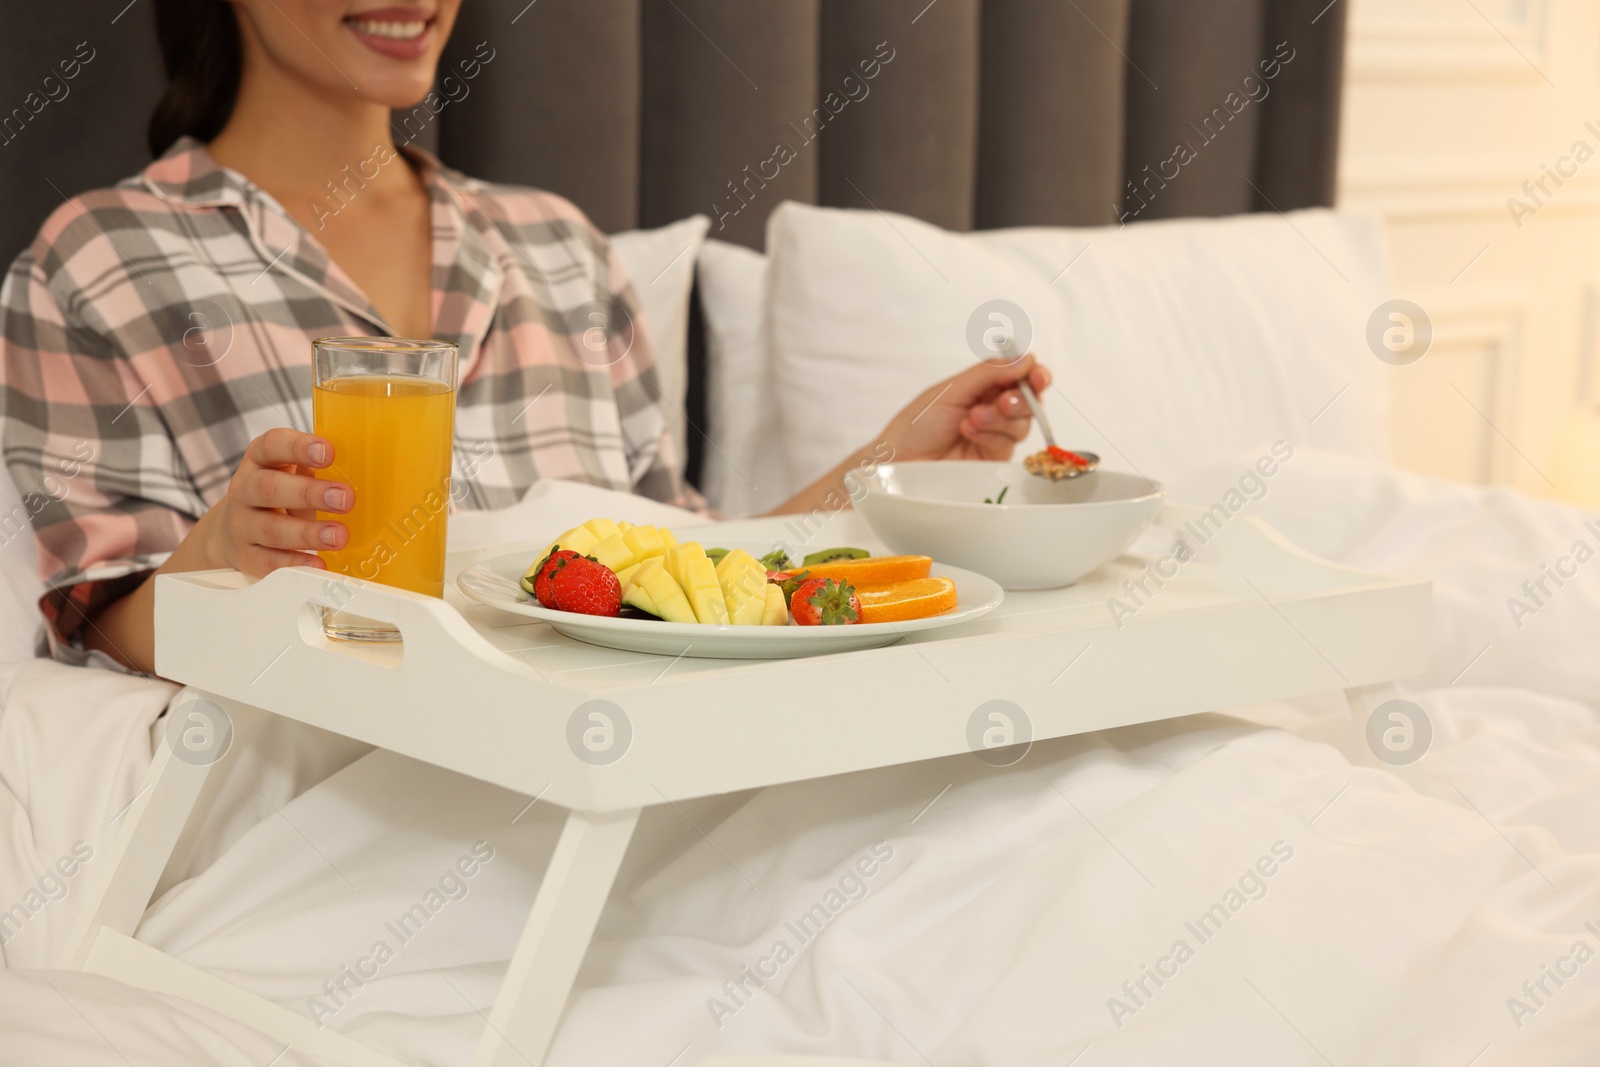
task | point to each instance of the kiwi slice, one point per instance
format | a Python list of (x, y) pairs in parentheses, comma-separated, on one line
[(715, 555), (777, 560), (831, 555)]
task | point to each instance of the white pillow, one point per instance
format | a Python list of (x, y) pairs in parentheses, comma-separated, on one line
[(744, 471), (661, 264), (1171, 342)]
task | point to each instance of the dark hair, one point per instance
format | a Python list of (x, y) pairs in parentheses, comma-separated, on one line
[(200, 49)]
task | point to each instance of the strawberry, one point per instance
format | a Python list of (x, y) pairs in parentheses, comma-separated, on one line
[(586, 586), (1063, 456), (825, 602), (559, 557)]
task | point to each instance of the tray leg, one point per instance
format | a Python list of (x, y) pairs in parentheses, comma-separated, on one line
[(123, 886), (555, 938), (1363, 701)]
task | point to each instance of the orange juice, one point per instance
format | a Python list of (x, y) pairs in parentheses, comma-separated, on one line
[(391, 439)]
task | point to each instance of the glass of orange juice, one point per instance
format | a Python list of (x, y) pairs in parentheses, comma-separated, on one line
[(387, 405)]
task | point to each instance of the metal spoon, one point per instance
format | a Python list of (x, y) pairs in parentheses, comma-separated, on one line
[(1037, 408)]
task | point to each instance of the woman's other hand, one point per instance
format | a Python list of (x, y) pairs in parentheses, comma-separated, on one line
[(977, 414), (268, 519)]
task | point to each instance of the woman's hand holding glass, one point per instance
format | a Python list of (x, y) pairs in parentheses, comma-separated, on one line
[(268, 519)]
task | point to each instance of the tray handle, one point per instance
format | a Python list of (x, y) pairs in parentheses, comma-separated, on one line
[(285, 608)]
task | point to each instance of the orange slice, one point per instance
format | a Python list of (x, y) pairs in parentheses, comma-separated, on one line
[(914, 599), (873, 571)]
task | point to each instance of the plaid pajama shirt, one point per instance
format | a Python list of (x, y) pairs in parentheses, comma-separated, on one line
[(153, 329)]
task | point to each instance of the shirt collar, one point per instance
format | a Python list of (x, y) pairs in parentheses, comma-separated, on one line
[(186, 174), (464, 242)]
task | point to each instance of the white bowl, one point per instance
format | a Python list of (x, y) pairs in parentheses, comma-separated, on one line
[(1046, 534)]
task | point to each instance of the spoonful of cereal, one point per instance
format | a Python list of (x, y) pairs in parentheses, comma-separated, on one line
[(1053, 463)]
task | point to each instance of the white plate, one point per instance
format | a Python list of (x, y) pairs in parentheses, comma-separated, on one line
[(496, 582)]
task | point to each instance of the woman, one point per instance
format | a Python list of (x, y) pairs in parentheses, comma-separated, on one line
[(157, 336)]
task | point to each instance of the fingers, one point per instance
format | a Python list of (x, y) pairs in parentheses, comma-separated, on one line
[(991, 418), (1011, 405), (267, 487), (273, 500), (260, 528), (983, 379), (283, 447), (992, 445)]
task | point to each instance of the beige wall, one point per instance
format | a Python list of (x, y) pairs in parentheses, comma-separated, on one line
[(1450, 107)]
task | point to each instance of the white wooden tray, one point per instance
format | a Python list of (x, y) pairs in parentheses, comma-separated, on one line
[(490, 694)]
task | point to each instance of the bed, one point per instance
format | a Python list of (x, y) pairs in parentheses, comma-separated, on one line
[(1260, 886)]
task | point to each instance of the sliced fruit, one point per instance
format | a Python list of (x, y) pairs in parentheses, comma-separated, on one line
[(613, 552), (625, 575), (703, 591), (579, 539), (676, 560), (664, 592), (643, 542), (744, 584), (602, 528), (777, 560), (914, 599), (624, 526), (828, 555), (775, 612), (667, 540), (881, 570), (738, 559), (715, 555), (634, 596)]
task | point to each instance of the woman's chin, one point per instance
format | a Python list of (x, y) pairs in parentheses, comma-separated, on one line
[(397, 91)]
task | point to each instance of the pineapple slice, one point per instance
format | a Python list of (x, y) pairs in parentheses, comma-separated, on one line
[(743, 581), (664, 592), (602, 528), (775, 611), (613, 552)]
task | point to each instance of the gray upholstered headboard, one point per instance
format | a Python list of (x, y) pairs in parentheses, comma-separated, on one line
[(991, 113), (977, 113)]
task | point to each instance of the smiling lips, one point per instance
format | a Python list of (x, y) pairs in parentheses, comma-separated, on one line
[(397, 32)]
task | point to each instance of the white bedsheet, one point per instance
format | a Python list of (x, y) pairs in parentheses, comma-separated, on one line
[(996, 926)]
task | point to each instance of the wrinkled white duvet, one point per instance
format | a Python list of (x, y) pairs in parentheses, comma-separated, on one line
[(1250, 888)]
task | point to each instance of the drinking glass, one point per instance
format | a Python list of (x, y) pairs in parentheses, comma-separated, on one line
[(387, 405)]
